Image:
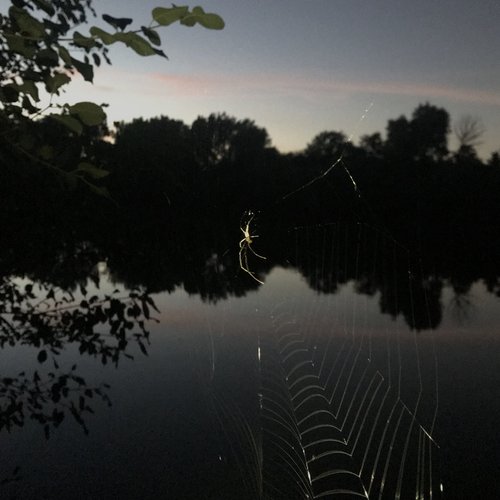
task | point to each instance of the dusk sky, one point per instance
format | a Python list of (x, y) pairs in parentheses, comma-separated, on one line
[(297, 67)]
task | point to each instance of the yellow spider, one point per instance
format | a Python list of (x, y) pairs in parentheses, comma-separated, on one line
[(245, 245)]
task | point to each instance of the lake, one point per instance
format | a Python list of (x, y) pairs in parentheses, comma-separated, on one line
[(352, 371)]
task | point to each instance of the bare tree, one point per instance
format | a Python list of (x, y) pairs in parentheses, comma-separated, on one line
[(468, 130)]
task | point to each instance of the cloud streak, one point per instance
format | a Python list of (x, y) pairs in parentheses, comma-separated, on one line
[(230, 85), (227, 85)]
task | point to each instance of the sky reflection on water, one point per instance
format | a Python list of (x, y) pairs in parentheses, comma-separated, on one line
[(159, 438)]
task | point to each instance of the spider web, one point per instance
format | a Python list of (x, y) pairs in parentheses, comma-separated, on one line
[(348, 397), (338, 162)]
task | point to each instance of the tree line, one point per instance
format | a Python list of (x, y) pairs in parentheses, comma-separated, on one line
[(163, 169), (177, 194), (166, 163)]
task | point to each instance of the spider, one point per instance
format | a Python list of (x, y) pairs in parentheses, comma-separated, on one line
[(245, 245)]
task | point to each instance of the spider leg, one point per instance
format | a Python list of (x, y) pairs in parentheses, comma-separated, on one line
[(245, 244), (242, 247), (255, 253), (244, 263), (253, 276)]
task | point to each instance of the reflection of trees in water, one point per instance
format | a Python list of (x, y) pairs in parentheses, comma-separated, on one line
[(461, 303), (181, 191), (334, 255), (200, 254), (50, 320)]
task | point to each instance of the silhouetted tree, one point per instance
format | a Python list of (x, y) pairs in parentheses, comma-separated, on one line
[(467, 154), (399, 144), (373, 145), (468, 130), (429, 128), (233, 154), (221, 139), (423, 138), (153, 160), (494, 160), (327, 145)]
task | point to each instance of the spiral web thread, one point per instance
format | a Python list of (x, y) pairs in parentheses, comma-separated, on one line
[(346, 413)]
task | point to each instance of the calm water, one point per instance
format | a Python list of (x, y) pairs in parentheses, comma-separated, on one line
[(214, 411)]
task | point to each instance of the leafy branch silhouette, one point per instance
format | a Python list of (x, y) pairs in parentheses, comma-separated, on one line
[(102, 327)]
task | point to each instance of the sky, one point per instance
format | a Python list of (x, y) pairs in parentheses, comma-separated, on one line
[(298, 67)]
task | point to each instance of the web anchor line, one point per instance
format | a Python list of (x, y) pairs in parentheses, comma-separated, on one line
[(338, 161)]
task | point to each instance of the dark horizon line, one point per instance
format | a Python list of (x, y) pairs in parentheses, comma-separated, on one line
[(481, 154)]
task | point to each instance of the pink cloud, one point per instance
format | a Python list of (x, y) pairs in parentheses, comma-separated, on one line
[(234, 84), (185, 84), (227, 85)]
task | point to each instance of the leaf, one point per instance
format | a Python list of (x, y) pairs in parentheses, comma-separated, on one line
[(9, 94), (46, 152), (86, 70), (42, 356), (166, 16), (211, 21), (75, 414), (97, 59), (64, 54), (189, 21), (91, 170), (160, 53), (136, 43), (145, 309), (28, 87), (47, 57), (107, 38), (31, 74), (27, 24), (142, 348), (151, 302), (68, 121), (119, 23), (83, 41), (151, 35), (45, 6), (79, 380), (207, 20), (19, 45), (88, 113), (58, 417), (100, 191), (55, 82), (28, 106)]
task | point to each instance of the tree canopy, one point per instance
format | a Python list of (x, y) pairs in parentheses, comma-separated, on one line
[(423, 138), (42, 49)]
